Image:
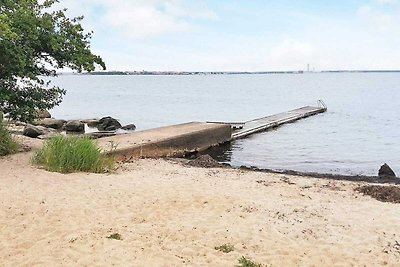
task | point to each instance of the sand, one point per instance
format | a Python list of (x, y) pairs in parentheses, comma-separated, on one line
[(173, 215)]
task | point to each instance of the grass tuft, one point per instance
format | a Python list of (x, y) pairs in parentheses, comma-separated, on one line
[(246, 262), (226, 248), (7, 143), (71, 154), (115, 236)]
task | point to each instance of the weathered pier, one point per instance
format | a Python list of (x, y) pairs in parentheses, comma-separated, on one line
[(178, 140), (169, 141), (266, 123)]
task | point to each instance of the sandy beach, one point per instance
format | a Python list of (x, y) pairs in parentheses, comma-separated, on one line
[(169, 214)]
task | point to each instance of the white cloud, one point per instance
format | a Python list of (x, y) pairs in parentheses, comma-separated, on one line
[(367, 40), (144, 18), (379, 19), (291, 53)]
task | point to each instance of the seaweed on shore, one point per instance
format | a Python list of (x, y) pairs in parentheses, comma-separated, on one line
[(382, 193)]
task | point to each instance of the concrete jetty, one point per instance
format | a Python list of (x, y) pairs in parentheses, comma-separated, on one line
[(170, 141), (181, 139)]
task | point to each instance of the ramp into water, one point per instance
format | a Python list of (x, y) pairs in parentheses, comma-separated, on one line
[(265, 123), (175, 140)]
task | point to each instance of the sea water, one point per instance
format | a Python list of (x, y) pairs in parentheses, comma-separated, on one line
[(359, 132)]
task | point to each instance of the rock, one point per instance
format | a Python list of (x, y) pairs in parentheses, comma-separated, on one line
[(74, 126), (386, 172), (96, 135), (51, 123), (43, 114), (46, 136), (129, 127), (33, 131), (108, 124), (91, 122)]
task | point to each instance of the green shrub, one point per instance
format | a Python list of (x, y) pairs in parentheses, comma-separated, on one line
[(246, 262), (226, 248), (115, 236), (73, 153), (7, 143)]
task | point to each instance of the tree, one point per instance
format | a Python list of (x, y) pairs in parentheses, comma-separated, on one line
[(35, 40)]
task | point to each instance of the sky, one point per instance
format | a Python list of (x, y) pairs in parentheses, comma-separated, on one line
[(242, 35)]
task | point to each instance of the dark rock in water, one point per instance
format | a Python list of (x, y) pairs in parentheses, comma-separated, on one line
[(43, 114), (108, 124), (51, 123), (33, 131), (386, 172), (129, 127), (204, 161), (74, 126)]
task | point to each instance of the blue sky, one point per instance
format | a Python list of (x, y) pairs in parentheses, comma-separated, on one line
[(240, 35)]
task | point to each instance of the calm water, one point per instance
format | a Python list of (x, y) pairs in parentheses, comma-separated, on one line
[(360, 131)]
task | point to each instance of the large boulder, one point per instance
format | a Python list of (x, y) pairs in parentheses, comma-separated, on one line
[(91, 122), (74, 126), (129, 127), (33, 131), (51, 123), (386, 172), (43, 114), (108, 124)]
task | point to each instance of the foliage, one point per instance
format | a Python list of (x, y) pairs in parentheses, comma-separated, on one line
[(73, 153), (226, 248), (246, 262), (36, 39), (115, 236), (7, 143)]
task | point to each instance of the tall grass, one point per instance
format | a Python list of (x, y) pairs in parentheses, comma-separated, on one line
[(71, 154), (7, 143)]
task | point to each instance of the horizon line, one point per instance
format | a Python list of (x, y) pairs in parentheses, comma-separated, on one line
[(172, 72)]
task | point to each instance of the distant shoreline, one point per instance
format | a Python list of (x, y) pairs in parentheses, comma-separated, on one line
[(172, 73)]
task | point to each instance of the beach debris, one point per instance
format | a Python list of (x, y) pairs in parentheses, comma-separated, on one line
[(386, 172), (50, 123), (204, 161), (129, 127), (381, 193), (74, 126), (287, 180), (108, 124), (115, 236), (43, 114), (225, 248), (34, 131)]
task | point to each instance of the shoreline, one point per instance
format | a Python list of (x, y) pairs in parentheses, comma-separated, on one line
[(329, 176), (34, 143)]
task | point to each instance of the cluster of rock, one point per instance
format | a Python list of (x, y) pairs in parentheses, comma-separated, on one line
[(46, 126)]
